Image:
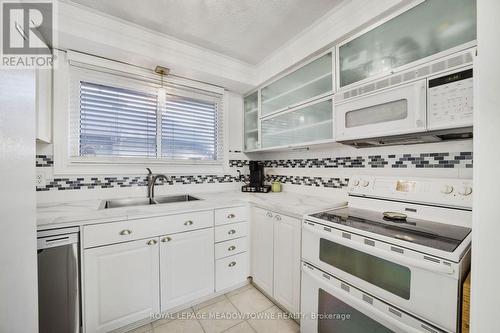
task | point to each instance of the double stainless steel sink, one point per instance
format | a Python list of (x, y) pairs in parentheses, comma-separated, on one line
[(130, 202)]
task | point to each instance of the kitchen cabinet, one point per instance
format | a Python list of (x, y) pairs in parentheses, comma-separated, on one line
[(251, 121), (231, 237), (286, 280), (235, 116), (312, 122), (310, 81), (448, 25), (43, 78), (293, 110), (121, 284), (186, 267), (276, 256), (262, 249)]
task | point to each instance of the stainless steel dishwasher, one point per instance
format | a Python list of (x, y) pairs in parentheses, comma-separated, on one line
[(58, 281)]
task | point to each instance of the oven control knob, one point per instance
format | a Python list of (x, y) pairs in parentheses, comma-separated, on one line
[(447, 189), (465, 190), (365, 183), (355, 182)]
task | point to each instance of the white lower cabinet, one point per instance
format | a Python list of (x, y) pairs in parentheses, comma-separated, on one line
[(231, 237), (231, 271), (275, 253), (121, 284), (262, 249), (286, 280), (186, 267)]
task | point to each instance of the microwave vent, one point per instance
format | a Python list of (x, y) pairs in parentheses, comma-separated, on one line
[(397, 79), (423, 71), (439, 66), (367, 88), (382, 84), (409, 76), (412, 74)]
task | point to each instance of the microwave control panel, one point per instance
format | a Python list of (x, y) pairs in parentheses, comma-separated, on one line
[(449, 100)]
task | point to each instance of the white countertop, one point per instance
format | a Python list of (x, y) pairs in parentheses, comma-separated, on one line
[(78, 213)]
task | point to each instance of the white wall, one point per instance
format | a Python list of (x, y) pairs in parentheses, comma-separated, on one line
[(18, 280), (486, 223)]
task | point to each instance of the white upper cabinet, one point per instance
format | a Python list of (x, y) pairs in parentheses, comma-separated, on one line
[(235, 116), (428, 29), (311, 122), (293, 110), (44, 105), (304, 84), (251, 121)]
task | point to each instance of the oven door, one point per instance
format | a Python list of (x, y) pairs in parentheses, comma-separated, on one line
[(398, 276), (400, 110), (330, 305)]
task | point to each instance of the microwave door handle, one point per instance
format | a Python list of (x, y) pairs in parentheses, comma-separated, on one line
[(384, 254), (361, 305), (421, 104)]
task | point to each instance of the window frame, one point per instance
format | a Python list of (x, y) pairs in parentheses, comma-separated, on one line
[(66, 103)]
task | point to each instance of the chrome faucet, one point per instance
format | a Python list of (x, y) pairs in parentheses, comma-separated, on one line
[(152, 182)]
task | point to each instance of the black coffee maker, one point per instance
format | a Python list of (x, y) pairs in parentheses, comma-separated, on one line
[(257, 178)]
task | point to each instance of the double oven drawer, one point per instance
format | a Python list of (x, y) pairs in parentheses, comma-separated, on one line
[(401, 277), (331, 305)]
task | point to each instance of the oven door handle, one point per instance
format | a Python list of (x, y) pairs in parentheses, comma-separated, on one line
[(358, 304), (400, 259)]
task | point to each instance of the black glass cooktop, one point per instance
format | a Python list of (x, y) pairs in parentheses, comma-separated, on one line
[(435, 235)]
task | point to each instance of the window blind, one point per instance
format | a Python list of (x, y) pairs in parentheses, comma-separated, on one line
[(116, 121), (190, 128)]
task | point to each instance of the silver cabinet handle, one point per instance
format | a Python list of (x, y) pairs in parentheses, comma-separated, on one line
[(152, 242), (269, 214), (231, 232), (125, 232), (232, 263), (231, 248), (166, 239), (277, 218), (231, 216), (188, 222)]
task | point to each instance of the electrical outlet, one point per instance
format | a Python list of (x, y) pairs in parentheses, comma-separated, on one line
[(40, 178)]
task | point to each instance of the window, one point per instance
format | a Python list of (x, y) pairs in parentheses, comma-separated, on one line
[(128, 119), (116, 122)]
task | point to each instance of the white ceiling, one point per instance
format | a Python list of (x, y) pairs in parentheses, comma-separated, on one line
[(248, 30)]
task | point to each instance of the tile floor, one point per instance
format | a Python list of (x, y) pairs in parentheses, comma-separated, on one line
[(244, 310)]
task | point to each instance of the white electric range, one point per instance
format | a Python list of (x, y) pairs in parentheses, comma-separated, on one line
[(393, 259)]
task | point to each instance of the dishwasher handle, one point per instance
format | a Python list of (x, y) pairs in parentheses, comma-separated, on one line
[(56, 240)]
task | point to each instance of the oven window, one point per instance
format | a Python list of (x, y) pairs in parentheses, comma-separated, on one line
[(382, 113), (336, 316), (380, 272)]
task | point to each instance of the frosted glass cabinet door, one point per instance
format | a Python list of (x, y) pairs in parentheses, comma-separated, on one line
[(309, 81), (309, 123), (426, 29), (251, 107)]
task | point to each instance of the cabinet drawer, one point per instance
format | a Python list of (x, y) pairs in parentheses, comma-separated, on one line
[(231, 271), (231, 247), (231, 231), (115, 232), (230, 215)]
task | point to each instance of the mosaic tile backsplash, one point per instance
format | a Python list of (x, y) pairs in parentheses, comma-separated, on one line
[(418, 160)]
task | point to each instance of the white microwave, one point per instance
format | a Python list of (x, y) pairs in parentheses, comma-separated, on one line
[(425, 110)]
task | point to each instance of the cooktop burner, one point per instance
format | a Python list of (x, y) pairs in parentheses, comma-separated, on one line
[(435, 235)]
